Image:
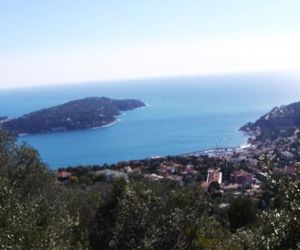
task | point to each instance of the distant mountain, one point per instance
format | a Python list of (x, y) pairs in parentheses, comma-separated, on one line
[(79, 114), (282, 121)]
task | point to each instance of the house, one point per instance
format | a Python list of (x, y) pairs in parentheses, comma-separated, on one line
[(288, 170), (286, 155), (214, 175), (230, 187), (154, 177), (128, 170), (170, 167), (110, 175), (63, 175), (241, 177), (176, 178), (137, 170)]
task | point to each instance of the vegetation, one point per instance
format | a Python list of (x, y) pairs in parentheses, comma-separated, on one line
[(241, 212), (80, 114), (38, 212), (281, 121)]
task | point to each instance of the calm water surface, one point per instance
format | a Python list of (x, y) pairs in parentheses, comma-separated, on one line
[(185, 114)]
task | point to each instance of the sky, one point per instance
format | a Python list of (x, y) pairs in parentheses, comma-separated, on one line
[(66, 41)]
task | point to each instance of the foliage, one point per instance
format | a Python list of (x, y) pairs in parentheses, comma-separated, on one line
[(38, 212), (139, 217), (33, 208), (242, 212)]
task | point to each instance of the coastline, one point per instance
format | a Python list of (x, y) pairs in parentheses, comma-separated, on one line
[(106, 125), (213, 151), (220, 151), (23, 134), (117, 120)]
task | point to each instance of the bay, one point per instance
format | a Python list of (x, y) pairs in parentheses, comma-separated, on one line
[(184, 114)]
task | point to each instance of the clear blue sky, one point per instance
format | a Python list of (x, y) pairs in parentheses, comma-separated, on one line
[(42, 30)]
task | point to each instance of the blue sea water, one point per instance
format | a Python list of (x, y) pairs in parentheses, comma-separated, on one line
[(185, 114)]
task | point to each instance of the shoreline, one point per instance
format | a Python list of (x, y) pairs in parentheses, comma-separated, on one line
[(117, 120), (213, 151), (219, 151), (106, 125)]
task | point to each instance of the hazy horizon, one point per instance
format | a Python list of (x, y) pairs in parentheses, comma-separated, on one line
[(283, 74)]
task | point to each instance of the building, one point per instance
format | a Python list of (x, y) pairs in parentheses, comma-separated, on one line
[(110, 175), (214, 175), (154, 177), (241, 177), (170, 167), (63, 175), (287, 170)]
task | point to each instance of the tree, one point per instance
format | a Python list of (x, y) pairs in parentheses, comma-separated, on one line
[(214, 187), (241, 212), (141, 215), (105, 217), (33, 211)]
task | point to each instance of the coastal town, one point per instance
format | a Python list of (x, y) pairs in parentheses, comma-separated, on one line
[(222, 190), (222, 173)]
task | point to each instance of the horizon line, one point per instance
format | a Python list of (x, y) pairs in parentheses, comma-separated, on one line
[(118, 80)]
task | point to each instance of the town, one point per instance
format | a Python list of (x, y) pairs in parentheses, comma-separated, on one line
[(222, 173)]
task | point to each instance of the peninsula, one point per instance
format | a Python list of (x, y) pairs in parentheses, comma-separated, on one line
[(279, 122), (79, 114)]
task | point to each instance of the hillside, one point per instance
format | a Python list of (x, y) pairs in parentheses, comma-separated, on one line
[(282, 121), (79, 114)]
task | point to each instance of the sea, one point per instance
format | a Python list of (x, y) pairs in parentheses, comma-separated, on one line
[(183, 115)]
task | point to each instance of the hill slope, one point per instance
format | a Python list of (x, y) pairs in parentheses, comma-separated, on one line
[(282, 121), (79, 114)]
